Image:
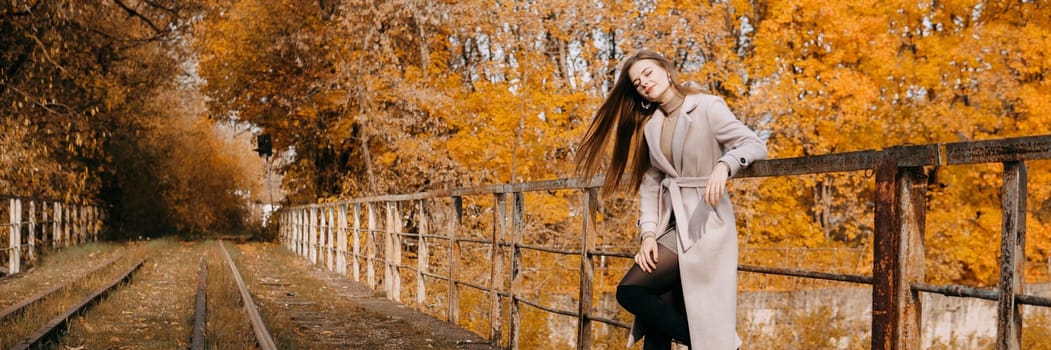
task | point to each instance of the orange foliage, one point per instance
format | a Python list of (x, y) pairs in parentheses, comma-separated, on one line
[(399, 96)]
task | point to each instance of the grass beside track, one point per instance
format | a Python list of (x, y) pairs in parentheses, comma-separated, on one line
[(228, 326), (34, 316), (153, 311)]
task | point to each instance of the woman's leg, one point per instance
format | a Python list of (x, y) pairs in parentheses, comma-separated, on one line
[(641, 292), (658, 340)]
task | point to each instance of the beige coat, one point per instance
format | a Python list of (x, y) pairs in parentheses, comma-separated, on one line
[(707, 133)]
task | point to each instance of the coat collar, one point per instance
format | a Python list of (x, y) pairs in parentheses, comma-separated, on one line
[(652, 131)]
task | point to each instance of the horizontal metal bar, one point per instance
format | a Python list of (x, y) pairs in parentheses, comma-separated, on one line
[(906, 156), (992, 151), (431, 275), (474, 240), (611, 322), (444, 278), (807, 274), (851, 161), (48, 200), (548, 309), (609, 253), (979, 293), (1033, 300), (546, 185), (446, 237), (814, 249), (1020, 148), (957, 291), (549, 250), (472, 285)]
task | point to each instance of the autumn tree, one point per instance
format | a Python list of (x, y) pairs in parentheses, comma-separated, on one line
[(397, 96), (85, 108), (889, 73)]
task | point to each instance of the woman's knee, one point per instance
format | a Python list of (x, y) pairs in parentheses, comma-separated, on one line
[(630, 296)]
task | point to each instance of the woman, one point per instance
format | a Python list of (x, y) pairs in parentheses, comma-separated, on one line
[(678, 146)]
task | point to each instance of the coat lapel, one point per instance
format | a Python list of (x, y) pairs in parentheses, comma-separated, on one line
[(653, 140), (682, 128)]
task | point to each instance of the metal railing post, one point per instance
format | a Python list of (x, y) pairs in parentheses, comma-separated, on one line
[(312, 232), (67, 224), (31, 242), (496, 265), (516, 267), (1012, 256), (370, 268), (329, 237), (454, 259), (341, 240), (56, 225), (355, 264), (394, 235), (421, 254), (898, 255), (14, 257), (587, 269)]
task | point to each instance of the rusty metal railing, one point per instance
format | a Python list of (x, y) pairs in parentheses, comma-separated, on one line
[(320, 232)]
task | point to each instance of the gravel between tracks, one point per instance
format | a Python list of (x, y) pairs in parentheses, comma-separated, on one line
[(328, 311), (153, 311)]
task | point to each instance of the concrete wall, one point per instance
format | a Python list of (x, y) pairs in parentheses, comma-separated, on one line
[(946, 320), (842, 315)]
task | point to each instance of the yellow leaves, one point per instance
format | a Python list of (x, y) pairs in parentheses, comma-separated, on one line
[(1034, 101), (486, 91), (386, 159)]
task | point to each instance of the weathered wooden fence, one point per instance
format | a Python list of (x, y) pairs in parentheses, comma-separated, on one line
[(331, 235), (34, 226)]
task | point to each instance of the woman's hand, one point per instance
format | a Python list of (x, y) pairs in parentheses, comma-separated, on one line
[(647, 255), (716, 187)]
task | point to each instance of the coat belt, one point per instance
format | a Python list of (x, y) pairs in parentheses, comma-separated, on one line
[(674, 185)]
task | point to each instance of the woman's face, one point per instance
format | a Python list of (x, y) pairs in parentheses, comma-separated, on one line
[(650, 80)]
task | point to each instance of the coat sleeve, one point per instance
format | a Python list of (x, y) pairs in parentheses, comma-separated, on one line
[(648, 206), (740, 145)]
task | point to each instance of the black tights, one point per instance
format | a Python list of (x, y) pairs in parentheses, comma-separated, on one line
[(655, 298)]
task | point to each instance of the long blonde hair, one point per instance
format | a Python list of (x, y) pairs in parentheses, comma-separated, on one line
[(623, 114)]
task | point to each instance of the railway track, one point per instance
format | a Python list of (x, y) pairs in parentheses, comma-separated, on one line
[(262, 335), (45, 333), (39, 321), (211, 295), (36, 298), (310, 308)]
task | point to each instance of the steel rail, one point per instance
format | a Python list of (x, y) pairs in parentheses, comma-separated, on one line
[(262, 335), (13, 309), (51, 327)]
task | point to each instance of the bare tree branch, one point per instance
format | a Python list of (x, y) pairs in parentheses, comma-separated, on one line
[(12, 13), (162, 7), (45, 106), (134, 13)]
